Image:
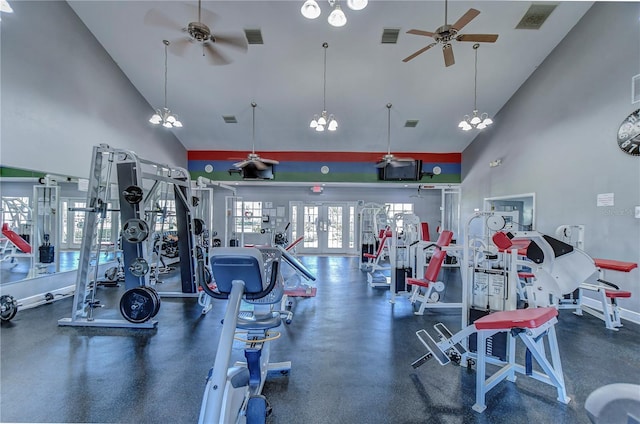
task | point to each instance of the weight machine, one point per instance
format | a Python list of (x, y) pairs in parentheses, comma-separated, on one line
[(373, 219), (138, 206), (605, 305), (491, 319)]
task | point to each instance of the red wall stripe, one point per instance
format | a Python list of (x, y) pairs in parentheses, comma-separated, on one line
[(321, 156)]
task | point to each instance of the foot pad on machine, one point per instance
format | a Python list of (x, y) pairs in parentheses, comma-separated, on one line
[(431, 344)]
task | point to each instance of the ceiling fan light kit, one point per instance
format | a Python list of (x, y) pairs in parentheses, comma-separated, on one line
[(324, 120), (311, 10), (163, 115), (477, 121)]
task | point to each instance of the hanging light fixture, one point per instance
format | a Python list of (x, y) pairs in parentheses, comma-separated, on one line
[(324, 120), (164, 116), (476, 120), (311, 10)]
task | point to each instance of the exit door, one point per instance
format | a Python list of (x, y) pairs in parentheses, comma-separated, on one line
[(328, 228)]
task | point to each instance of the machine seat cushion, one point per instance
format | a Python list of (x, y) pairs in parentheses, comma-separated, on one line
[(503, 242), (418, 282), (615, 265), (520, 318), (248, 321), (617, 293)]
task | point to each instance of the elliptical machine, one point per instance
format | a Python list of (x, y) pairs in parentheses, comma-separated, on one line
[(233, 393)]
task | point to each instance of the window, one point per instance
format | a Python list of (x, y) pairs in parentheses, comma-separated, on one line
[(16, 213), (167, 219), (248, 217), (394, 208)]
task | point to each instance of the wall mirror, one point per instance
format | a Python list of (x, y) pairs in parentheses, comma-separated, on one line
[(42, 225)]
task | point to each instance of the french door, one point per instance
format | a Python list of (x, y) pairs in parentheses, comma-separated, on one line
[(327, 227)]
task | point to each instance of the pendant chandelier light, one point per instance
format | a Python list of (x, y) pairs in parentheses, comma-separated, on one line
[(164, 116), (337, 18), (478, 121), (324, 120)]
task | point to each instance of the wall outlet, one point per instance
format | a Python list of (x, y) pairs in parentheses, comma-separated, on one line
[(637, 211)]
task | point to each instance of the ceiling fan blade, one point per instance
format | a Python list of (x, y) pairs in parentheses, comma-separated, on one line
[(478, 38), (179, 47), (214, 56), (156, 18), (465, 19), (270, 161), (242, 164), (236, 41), (260, 166), (447, 50), (420, 32), (422, 50)]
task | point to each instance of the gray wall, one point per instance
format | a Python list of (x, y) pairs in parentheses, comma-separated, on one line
[(557, 137), (62, 94)]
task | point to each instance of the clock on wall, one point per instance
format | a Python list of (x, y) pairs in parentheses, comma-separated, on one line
[(629, 134)]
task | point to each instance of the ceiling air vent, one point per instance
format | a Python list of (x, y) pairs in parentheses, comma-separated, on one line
[(254, 36), (536, 15), (411, 123), (230, 119), (390, 35)]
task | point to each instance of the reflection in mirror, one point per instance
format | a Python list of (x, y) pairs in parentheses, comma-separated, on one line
[(41, 225), (518, 209)]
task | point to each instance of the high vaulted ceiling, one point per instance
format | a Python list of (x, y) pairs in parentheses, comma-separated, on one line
[(284, 76)]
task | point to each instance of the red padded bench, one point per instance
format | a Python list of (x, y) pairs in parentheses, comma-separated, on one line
[(609, 293), (533, 323)]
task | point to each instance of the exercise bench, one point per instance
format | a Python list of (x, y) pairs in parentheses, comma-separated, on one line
[(531, 326), (607, 292)]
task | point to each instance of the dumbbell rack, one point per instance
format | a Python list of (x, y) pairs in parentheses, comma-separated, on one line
[(140, 303)]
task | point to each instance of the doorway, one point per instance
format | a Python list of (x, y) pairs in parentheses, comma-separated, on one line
[(327, 227)]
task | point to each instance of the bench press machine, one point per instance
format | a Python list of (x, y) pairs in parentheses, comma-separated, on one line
[(530, 326)]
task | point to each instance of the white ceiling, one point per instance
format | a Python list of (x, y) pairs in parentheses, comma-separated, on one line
[(285, 75)]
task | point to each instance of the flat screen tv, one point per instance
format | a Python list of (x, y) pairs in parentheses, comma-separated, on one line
[(250, 172), (402, 171)]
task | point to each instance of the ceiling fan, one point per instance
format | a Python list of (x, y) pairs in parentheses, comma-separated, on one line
[(253, 159), (390, 159), (446, 33), (198, 33)]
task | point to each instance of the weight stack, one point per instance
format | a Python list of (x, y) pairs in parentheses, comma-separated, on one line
[(496, 344), (401, 279), (47, 254)]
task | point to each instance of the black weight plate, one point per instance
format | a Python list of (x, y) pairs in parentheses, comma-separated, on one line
[(198, 226), (137, 305), (139, 267), (9, 307), (132, 194), (135, 230), (155, 294)]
